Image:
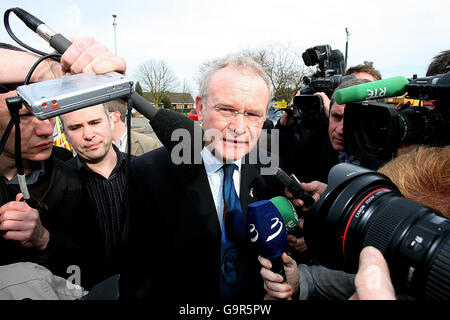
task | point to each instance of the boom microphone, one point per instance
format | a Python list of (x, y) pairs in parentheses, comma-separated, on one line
[(164, 122), (56, 40), (390, 87)]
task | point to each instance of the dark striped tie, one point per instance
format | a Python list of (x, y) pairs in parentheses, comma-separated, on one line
[(233, 235)]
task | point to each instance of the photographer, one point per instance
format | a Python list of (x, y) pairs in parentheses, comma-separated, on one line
[(364, 71), (421, 175), (313, 159), (292, 130), (439, 64), (44, 230)]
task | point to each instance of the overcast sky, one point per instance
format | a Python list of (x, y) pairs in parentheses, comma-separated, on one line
[(400, 37)]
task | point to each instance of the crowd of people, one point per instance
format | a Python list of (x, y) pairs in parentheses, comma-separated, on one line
[(147, 228)]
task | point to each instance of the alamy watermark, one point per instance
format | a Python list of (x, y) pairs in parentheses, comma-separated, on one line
[(189, 147)]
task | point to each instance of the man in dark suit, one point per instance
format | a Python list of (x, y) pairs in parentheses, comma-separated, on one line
[(313, 158), (174, 239)]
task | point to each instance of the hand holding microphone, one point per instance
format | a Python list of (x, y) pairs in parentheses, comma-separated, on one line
[(294, 187), (86, 54), (79, 55), (269, 222), (274, 284), (268, 232)]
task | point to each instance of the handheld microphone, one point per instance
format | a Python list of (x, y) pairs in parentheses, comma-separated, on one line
[(289, 214), (56, 40), (268, 232), (163, 121), (293, 185), (390, 87)]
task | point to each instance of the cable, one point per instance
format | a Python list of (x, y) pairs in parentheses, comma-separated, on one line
[(15, 104), (12, 35), (6, 134), (54, 56)]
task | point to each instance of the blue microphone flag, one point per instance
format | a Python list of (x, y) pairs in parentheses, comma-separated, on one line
[(267, 229)]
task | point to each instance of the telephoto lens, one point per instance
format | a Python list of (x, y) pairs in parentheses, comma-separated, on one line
[(363, 208)]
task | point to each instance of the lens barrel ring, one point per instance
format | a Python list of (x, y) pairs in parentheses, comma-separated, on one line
[(438, 285), (383, 227), (387, 221)]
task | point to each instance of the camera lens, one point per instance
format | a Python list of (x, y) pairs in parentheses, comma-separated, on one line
[(309, 105), (371, 131), (363, 208), (375, 130)]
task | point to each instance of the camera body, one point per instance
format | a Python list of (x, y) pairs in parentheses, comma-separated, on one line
[(374, 131), (331, 66)]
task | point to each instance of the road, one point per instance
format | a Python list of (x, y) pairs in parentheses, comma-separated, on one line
[(142, 125)]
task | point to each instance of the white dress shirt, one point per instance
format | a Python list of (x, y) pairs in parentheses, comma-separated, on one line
[(121, 144)]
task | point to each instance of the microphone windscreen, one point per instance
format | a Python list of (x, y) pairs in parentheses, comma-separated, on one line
[(267, 229), (287, 211), (144, 106), (389, 87), (173, 128)]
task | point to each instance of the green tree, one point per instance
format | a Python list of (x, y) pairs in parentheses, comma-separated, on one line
[(138, 88), (166, 102)]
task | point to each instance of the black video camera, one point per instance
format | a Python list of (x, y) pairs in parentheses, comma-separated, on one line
[(375, 130), (331, 66), (363, 208)]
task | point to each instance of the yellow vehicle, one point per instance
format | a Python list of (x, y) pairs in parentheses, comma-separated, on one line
[(396, 100), (279, 104)]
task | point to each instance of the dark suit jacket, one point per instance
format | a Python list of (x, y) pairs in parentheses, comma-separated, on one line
[(174, 233)]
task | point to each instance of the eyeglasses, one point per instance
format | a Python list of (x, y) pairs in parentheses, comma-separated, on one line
[(228, 114)]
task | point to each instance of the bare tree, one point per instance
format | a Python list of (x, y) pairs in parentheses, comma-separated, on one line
[(284, 67), (186, 88), (157, 79)]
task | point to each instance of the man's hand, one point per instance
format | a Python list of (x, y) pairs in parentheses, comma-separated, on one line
[(22, 223), (286, 120), (272, 281), (326, 104), (373, 282), (315, 189), (297, 244), (84, 55)]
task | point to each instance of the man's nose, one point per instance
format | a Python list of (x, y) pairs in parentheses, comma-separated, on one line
[(88, 133), (238, 124), (44, 127), (340, 128)]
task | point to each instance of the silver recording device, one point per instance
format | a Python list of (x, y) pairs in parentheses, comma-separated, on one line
[(54, 97)]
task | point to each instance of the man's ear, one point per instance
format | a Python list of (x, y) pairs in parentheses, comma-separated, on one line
[(113, 116), (199, 108)]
